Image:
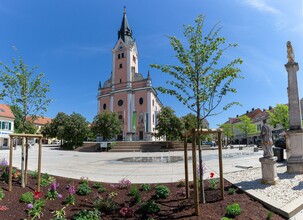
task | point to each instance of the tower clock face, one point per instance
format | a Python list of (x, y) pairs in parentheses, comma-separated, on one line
[(120, 102)]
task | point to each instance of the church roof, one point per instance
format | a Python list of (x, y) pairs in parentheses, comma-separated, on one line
[(125, 32), (5, 111)]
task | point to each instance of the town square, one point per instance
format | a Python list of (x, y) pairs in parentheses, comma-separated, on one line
[(151, 110)]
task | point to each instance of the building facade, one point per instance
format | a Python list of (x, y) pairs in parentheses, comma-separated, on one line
[(127, 92), (6, 125)]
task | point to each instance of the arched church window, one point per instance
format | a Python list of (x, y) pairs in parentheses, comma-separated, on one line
[(120, 66), (141, 101), (120, 102), (104, 106), (118, 56), (153, 102), (122, 55)]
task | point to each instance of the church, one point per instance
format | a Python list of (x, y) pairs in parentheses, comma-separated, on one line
[(127, 92)]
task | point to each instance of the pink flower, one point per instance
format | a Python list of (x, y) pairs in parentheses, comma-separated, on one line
[(30, 206)]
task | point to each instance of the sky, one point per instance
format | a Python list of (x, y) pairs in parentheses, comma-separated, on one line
[(71, 42)]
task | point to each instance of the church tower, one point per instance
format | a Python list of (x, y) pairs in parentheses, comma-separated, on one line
[(127, 92)]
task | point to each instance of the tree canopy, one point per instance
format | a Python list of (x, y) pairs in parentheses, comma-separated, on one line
[(279, 116), (246, 126), (107, 125), (169, 125), (25, 91)]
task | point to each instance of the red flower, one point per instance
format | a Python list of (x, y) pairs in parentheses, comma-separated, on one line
[(212, 174), (37, 194)]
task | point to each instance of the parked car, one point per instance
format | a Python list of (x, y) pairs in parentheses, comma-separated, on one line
[(280, 143), (207, 143), (56, 142)]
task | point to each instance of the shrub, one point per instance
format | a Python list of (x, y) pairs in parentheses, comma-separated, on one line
[(145, 187), (149, 207), (233, 210), (83, 189), (225, 218), (134, 192), (101, 189), (84, 179), (46, 180), (106, 205), (232, 191), (27, 197), (181, 183), (87, 215), (1, 194), (213, 181), (35, 210), (59, 214), (52, 192), (162, 192), (97, 185), (33, 174)]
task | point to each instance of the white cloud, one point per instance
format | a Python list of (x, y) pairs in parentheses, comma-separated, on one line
[(261, 5)]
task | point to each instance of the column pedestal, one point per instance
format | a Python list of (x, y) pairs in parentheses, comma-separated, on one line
[(269, 170), (295, 158)]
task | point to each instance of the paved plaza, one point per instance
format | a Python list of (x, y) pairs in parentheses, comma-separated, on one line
[(105, 167)]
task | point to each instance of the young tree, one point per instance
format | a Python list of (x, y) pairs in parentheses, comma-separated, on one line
[(26, 93), (227, 131), (202, 79), (279, 116), (169, 125), (246, 126), (107, 125)]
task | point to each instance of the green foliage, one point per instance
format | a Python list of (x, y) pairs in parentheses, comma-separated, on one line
[(279, 116), (145, 187), (169, 125), (27, 197), (134, 192), (231, 191), (87, 215), (107, 125), (72, 128), (70, 200), (149, 207), (36, 211), (106, 205), (2, 195), (213, 183), (201, 80), (181, 183), (246, 126), (83, 189), (227, 130), (97, 185), (33, 174), (59, 214), (269, 214), (226, 218), (162, 192), (25, 91), (46, 180), (233, 210)]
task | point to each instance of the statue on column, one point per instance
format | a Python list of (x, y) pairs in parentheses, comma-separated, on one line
[(290, 52), (266, 135)]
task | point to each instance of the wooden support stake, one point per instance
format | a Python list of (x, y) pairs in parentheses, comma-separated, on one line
[(26, 159), (39, 163), (10, 172), (221, 165), (195, 173), (186, 167)]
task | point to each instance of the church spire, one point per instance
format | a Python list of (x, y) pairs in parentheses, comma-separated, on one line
[(125, 33)]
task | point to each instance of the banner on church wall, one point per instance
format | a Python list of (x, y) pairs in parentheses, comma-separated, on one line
[(146, 122), (134, 121)]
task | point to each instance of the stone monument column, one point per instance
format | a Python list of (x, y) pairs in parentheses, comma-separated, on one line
[(295, 132)]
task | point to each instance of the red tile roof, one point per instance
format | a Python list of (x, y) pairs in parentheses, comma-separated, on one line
[(42, 120), (5, 111)]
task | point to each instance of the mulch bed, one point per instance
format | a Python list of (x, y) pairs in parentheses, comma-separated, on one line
[(175, 206)]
